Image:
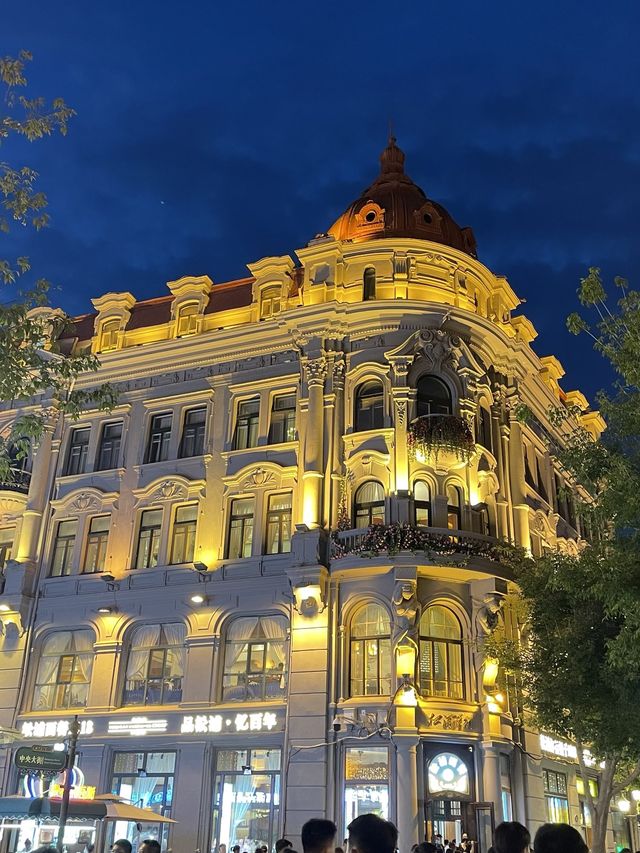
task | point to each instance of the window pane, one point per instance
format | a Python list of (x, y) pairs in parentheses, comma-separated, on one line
[(97, 538), (371, 621), (367, 764), (109, 452), (63, 548)]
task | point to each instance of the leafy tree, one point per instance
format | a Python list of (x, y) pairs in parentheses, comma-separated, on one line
[(579, 650), (30, 363)]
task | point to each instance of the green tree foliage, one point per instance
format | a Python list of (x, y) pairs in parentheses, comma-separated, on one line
[(30, 365), (579, 650)]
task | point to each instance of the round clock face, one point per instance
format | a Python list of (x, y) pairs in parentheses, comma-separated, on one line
[(448, 774)]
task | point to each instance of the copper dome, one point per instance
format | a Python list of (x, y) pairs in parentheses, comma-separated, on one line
[(393, 206)]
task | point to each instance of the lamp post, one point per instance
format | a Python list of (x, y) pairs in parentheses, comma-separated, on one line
[(74, 731)]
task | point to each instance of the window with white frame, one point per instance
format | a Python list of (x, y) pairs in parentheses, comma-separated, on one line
[(95, 553), (109, 335), (369, 504), (422, 503), (77, 453), (283, 419), (187, 323), (369, 406), (279, 524), (440, 667), (159, 438), (270, 302), (255, 663), (370, 658), (240, 534), (193, 430), (148, 545), (64, 671), (246, 432), (156, 665), (63, 545), (183, 535), (109, 449), (7, 535), (454, 507)]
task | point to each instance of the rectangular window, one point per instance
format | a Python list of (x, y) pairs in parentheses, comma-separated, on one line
[(246, 798), (63, 548), (159, 438), (240, 538), (192, 441), (283, 419), (183, 540), (64, 671), (145, 779), (155, 667), (109, 450), (6, 545), (96, 550), (246, 434), (148, 539), (366, 776), (78, 447), (555, 790), (279, 524)]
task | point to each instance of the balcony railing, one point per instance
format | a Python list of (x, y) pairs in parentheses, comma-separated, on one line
[(392, 539), (433, 435), (19, 482)]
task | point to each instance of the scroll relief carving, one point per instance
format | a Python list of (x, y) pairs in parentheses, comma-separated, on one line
[(259, 477), (86, 501), (401, 409), (169, 489), (439, 348)]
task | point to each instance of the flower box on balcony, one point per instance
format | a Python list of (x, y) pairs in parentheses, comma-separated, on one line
[(444, 441)]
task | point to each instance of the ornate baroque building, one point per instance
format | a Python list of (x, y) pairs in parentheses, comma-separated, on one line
[(263, 580)]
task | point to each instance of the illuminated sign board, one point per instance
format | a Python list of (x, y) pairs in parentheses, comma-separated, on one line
[(558, 747), (78, 792), (137, 726), (216, 723), (53, 728)]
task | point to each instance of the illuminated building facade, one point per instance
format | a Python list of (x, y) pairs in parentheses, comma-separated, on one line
[(264, 579)]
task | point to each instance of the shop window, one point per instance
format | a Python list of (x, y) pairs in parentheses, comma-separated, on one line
[(369, 284), (246, 798), (95, 553), (422, 503), (64, 671), (63, 545), (78, 448), (448, 774), (432, 397), (369, 504), (483, 427), (155, 667), (370, 653), (246, 432), (7, 535), (159, 438), (109, 335), (505, 784), (147, 780), (187, 320), (193, 430), (283, 419), (369, 413), (270, 301), (255, 663), (454, 508), (240, 536), (441, 671), (366, 775), (183, 535), (555, 791), (109, 449), (279, 524), (148, 546)]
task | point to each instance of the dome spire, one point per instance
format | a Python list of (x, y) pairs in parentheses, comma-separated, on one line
[(392, 158)]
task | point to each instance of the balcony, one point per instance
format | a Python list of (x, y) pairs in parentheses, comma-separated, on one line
[(443, 441), (19, 482), (436, 543)]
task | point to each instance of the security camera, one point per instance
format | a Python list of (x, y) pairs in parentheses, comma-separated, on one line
[(337, 725)]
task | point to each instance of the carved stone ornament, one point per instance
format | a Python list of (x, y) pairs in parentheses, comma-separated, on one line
[(489, 613), (85, 501), (448, 722), (401, 408), (169, 489), (339, 370), (406, 612), (439, 348), (259, 477), (316, 371)]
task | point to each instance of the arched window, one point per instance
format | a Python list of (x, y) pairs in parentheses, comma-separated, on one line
[(370, 670), (64, 671), (369, 412), (483, 428), (270, 301), (433, 397), (187, 320), (369, 284), (369, 504), (109, 335), (156, 664), (255, 662), (454, 508), (441, 653), (422, 503)]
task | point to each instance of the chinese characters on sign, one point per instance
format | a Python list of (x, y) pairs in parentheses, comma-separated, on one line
[(137, 726), (558, 747), (53, 728), (215, 723)]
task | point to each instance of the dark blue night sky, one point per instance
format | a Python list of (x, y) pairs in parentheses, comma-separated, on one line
[(209, 135)]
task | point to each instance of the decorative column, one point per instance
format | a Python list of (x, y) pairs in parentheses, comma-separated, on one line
[(400, 395), (491, 779), (316, 371), (516, 470), (335, 429), (45, 460), (502, 503), (406, 739)]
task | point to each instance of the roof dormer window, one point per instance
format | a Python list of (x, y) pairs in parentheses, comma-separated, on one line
[(187, 320), (109, 335)]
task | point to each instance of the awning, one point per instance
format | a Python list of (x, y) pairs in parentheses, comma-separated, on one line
[(105, 807)]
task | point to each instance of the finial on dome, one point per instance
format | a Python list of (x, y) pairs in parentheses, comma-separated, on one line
[(392, 158)]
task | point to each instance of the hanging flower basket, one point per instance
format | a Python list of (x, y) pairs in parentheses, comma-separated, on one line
[(432, 435)]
